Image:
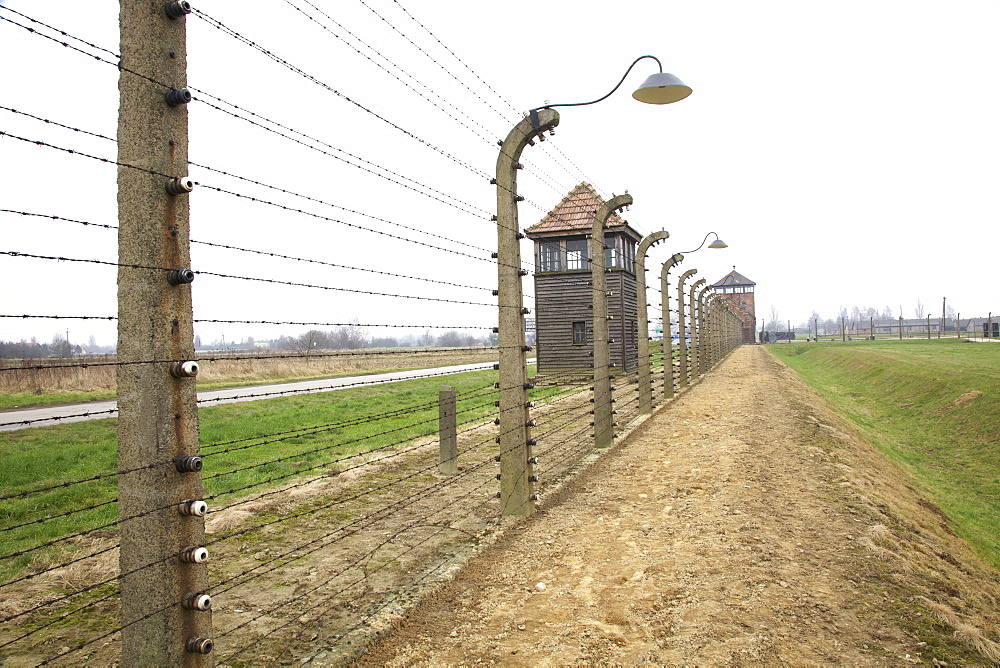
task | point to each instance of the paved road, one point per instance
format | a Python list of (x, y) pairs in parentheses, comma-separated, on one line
[(36, 417)]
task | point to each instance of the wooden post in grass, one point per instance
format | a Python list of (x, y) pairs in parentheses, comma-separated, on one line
[(166, 618), (447, 430)]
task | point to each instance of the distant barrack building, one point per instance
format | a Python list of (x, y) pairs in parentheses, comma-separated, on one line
[(564, 316), (738, 290)]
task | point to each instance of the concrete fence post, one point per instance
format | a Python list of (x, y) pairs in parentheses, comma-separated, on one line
[(517, 489), (682, 346), (669, 386), (724, 327), (712, 318), (722, 318), (603, 427), (735, 330), (448, 430), (704, 331), (645, 372), (166, 617), (692, 370)]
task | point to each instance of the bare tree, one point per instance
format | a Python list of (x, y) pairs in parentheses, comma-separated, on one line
[(304, 343), (60, 346), (350, 337), (451, 339), (774, 320), (919, 310)]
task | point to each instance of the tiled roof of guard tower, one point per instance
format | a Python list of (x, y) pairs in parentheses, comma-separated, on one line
[(733, 278), (575, 213)]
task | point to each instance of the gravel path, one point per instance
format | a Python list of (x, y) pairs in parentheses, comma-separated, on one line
[(743, 523)]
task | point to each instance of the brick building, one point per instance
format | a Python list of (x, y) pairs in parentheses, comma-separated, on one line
[(737, 289)]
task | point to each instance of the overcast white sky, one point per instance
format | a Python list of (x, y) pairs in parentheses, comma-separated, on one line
[(847, 152)]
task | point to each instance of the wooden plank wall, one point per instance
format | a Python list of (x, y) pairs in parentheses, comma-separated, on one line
[(565, 297)]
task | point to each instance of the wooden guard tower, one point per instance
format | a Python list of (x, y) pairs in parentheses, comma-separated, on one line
[(564, 316), (737, 289)]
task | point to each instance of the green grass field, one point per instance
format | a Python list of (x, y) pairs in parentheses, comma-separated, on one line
[(932, 406), (240, 456), (247, 448)]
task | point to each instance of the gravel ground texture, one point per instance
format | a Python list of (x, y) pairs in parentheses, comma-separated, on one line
[(744, 523)]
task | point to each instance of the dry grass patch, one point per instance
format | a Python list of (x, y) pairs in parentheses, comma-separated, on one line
[(37, 382)]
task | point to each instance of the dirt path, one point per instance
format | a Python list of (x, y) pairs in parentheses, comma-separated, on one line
[(742, 524)]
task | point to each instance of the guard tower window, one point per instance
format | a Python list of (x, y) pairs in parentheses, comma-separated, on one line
[(549, 259), (576, 254), (612, 252), (579, 331), (619, 253)]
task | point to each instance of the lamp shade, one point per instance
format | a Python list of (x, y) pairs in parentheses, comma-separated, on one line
[(661, 88), (718, 243)]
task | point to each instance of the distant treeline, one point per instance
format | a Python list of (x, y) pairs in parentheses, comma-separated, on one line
[(57, 348), (353, 338), (341, 338)]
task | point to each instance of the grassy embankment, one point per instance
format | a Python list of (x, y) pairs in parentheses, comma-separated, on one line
[(933, 407), (378, 416)]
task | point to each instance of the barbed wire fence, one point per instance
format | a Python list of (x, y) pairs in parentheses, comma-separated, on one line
[(162, 538)]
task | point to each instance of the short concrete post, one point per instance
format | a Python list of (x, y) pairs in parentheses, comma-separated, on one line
[(447, 430)]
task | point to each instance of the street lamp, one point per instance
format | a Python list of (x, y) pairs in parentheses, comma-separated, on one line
[(718, 243), (659, 88), (517, 495)]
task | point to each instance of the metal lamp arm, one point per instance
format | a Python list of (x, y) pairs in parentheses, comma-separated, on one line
[(583, 104), (703, 242)]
